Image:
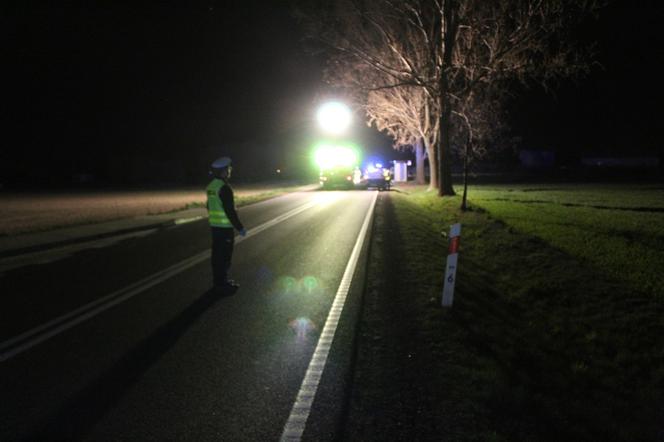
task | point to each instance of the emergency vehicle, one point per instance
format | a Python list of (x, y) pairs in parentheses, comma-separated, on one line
[(338, 166), (378, 176)]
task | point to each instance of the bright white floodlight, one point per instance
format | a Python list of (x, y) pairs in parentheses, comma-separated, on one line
[(334, 117)]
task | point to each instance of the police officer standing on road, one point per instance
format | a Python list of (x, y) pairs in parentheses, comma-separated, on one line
[(222, 217)]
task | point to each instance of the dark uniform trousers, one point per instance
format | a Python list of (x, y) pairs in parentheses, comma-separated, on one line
[(222, 251)]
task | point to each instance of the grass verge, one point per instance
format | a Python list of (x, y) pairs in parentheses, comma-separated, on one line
[(540, 344)]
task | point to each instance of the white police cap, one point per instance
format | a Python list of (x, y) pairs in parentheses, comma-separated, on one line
[(220, 163)]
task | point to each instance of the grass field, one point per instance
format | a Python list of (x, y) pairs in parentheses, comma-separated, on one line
[(24, 213), (617, 229), (548, 338)]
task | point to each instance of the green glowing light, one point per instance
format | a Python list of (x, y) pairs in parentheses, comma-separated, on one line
[(327, 156), (310, 283), (288, 283)]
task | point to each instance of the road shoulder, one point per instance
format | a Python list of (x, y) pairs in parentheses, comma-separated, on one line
[(386, 397)]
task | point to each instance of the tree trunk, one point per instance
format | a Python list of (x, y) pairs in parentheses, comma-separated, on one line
[(433, 165), (444, 157), (464, 199), (419, 162), (444, 148)]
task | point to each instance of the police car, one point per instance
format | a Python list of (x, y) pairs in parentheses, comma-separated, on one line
[(378, 177)]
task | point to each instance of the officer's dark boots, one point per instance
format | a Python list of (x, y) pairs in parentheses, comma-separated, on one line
[(227, 289)]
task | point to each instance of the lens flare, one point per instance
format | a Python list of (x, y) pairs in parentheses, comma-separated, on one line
[(288, 284), (301, 327), (306, 285), (310, 283)]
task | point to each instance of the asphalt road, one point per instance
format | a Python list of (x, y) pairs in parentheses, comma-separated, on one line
[(173, 361)]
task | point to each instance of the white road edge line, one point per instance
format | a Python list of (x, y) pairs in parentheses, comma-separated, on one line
[(179, 221), (41, 333), (299, 414)]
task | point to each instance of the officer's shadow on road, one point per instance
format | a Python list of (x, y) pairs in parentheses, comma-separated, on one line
[(79, 415)]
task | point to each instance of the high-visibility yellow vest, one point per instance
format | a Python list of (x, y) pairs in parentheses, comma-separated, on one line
[(216, 213)]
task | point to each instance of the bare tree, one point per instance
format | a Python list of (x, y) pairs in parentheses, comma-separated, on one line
[(479, 128), (498, 44), (449, 49), (405, 113)]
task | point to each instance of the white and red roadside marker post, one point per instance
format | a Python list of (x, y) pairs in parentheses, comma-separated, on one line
[(452, 258)]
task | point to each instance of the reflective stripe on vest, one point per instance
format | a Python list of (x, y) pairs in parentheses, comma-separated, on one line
[(216, 213)]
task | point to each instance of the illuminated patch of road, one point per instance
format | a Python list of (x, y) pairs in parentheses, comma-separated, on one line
[(299, 414), (39, 334)]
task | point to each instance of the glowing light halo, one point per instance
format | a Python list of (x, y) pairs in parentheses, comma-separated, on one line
[(288, 283), (301, 326), (334, 117), (328, 156), (310, 283)]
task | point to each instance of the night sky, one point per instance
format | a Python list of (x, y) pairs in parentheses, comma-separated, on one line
[(131, 95), (616, 109)]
